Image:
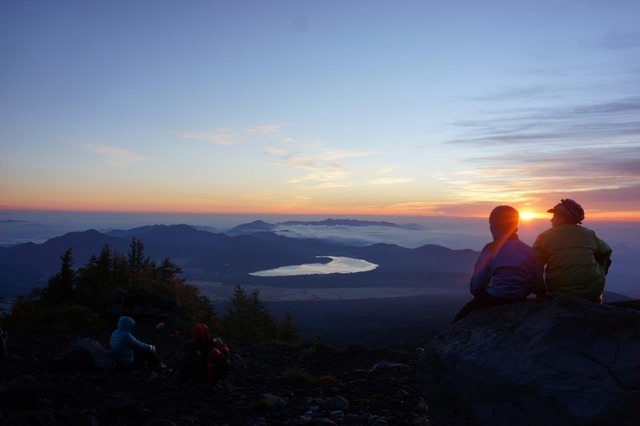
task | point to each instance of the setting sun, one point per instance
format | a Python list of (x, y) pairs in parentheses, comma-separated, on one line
[(527, 215)]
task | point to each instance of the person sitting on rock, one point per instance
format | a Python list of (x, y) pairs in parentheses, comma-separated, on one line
[(203, 358), (572, 260), (505, 271), (127, 350)]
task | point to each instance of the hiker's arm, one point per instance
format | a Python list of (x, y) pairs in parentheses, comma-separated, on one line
[(603, 254), (542, 258), (137, 344), (482, 272)]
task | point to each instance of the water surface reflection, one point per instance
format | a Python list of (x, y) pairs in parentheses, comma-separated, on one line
[(338, 265)]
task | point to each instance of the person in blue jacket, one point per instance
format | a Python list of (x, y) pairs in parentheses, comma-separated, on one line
[(127, 350), (506, 270)]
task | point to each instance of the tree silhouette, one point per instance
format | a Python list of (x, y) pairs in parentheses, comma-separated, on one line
[(288, 331), (111, 279), (247, 320), (61, 286)]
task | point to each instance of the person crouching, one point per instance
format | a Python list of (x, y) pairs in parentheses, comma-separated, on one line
[(128, 351), (203, 358)]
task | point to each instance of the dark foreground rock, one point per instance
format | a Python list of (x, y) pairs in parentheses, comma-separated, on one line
[(55, 379), (565, 362)]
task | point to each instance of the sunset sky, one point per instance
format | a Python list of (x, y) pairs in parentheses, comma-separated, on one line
[(336, 107)]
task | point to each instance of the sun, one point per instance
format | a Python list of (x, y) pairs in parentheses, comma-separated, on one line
[(527, 215)]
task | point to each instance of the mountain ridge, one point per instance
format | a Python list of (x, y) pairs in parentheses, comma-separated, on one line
[(230, 259), (260, 225)]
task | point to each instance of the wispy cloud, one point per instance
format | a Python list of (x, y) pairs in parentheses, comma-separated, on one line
[(325, 160), (560, 149), (265, 129), (271, 150), (322, 179), (325, 168), (226, 136), (619, 40), (114, 155), (219, 137), (537, 175), (596, 122), (390, 181)]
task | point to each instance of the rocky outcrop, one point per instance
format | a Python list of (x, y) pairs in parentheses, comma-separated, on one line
[(86, 354), (564, 362)]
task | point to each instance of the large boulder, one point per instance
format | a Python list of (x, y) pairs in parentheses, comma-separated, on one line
[(563, 362), (86, 354)]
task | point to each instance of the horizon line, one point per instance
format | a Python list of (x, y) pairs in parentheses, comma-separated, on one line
[(615, 217)]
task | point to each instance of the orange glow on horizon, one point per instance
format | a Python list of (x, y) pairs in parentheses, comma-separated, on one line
[(525, 215)]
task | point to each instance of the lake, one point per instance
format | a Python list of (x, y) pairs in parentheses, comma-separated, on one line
[(338, 265)]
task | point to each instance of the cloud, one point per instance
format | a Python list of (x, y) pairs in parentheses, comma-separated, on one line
[(390, 181), (534, 175), (591, 123), (517, 93), (274, 151), (324, 167), (631, 105), (229, 137), (265, 129), (219, 137), (322, 179), (528, 155), (114, 155), (618, 40)]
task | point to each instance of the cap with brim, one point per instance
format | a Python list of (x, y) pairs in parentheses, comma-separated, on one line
[(570, 209)]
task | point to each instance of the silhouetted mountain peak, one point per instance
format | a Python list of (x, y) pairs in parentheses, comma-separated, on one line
[(142, 230), (76, 238), (249, 228)]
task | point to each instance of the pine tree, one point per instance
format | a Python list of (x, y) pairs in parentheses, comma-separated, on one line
[(288, 331), (103, 265), (112, 278), (247, 320), (136, 261), (168, 270), (61, 286)]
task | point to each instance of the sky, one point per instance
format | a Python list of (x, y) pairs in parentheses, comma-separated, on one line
[(320, 107)]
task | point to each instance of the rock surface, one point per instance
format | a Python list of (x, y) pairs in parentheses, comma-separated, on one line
[(564, 362)]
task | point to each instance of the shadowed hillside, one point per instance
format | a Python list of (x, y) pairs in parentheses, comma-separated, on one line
[(230, 259)]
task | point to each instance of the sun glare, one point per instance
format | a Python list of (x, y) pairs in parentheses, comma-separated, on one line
[(527, 215)]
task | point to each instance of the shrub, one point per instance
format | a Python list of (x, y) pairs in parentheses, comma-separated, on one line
[(317, 346)]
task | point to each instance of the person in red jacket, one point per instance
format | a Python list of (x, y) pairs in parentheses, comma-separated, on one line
[(203, 358)]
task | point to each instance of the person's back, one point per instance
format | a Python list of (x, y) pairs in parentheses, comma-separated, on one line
[(511, 272), (122, 344), (572, 260), (505, 271)]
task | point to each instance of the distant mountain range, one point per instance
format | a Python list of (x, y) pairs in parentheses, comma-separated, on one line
[(261, 226), (230, 258)]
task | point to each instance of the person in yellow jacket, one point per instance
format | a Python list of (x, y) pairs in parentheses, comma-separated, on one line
[(572, 260)]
